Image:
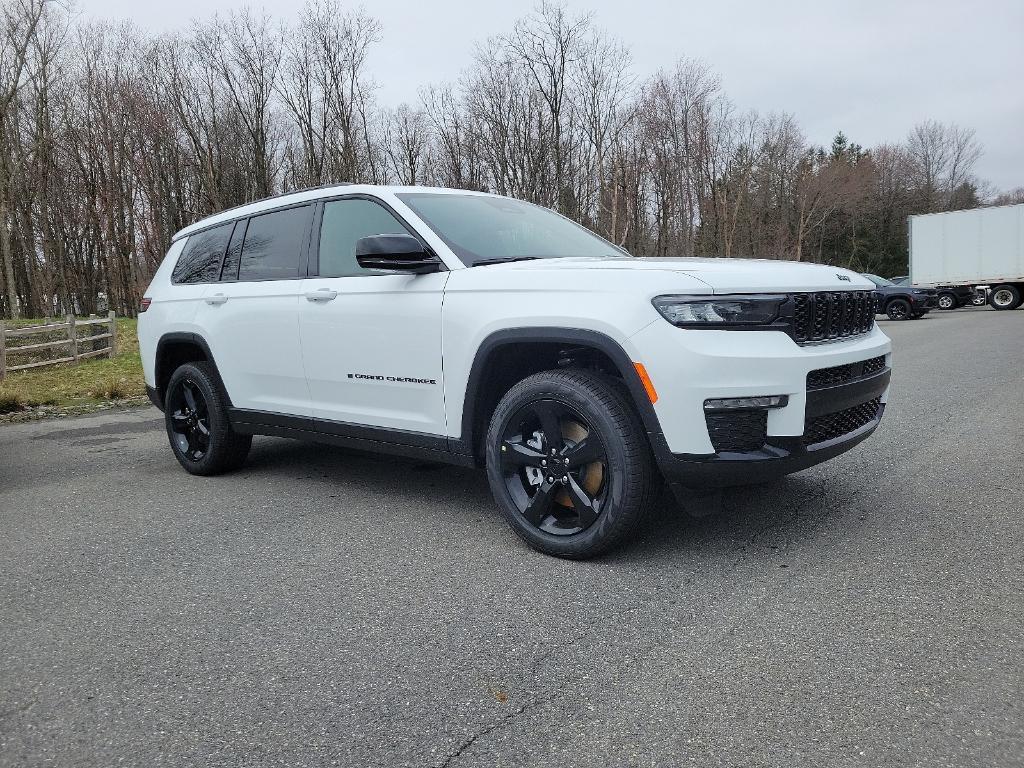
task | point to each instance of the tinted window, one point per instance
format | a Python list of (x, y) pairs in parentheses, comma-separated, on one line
[(881, 282), (234, 253), (344, 222), (200, 260), (483, 228), (273, 245)]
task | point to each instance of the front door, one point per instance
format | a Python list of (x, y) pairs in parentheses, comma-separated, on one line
[(371, 342)]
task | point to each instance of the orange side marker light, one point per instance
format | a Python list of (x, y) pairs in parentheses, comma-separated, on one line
[(646, 381)]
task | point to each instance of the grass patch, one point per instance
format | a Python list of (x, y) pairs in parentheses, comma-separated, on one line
[(90, 384)]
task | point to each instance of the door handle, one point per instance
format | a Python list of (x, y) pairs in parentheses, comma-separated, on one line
[(322, 294), (217, 298)]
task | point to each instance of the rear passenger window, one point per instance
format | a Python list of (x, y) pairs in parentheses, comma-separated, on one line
[(200, 260), (273, 244)]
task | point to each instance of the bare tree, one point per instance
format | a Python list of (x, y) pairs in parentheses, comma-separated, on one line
[(942, 160), (113, 139), (324, 84), (20, 22)]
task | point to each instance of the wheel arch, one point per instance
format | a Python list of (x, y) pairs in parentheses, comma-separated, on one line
[(486, 383), (173, 350)]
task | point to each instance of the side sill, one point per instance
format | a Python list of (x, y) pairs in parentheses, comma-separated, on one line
[(415, 445)]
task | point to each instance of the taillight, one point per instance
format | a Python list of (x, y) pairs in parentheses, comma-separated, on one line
[(146, 301)]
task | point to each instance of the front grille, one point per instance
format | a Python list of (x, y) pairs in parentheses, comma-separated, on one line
[(832, 315), (829, 377), (840, 374), (874, 365), (737, 430), (832, 425)]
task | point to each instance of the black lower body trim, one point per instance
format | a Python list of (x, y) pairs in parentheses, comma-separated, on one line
[(154, 397), (780, 455), (783, 456), (396, 442)]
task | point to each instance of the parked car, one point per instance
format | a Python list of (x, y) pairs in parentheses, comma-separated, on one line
[(948, 296), (902, 302), (484, 331)]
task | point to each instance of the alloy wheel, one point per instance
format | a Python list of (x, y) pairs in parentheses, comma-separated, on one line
[(555, 467), (190, 420), (945, 301), (897, 311)]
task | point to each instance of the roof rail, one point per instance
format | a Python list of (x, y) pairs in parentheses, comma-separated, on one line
[(274, 197)]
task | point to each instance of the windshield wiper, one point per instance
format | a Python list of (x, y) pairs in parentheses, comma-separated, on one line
[(504, 260)]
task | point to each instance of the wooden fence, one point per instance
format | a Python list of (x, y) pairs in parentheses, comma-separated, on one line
[(78, 347)]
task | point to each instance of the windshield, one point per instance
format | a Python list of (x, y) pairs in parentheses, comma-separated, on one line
[(878, 280), (486, 230)]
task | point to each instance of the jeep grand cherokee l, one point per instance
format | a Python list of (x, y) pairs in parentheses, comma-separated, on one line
[(484, 331)]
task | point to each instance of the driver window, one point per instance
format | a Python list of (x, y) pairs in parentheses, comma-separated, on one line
[(345, 222)]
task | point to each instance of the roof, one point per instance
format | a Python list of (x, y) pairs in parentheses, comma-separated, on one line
[(305, 195)]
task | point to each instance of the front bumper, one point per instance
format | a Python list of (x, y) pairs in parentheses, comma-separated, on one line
[(782, 455), (689, 367)]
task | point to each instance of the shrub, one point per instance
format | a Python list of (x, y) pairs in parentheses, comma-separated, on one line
[(112, 389), (10, 402)]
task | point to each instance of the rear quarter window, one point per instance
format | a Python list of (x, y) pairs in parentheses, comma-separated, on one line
[(200, 260)]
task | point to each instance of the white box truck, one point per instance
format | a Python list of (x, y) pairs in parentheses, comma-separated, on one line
[(978, 247)]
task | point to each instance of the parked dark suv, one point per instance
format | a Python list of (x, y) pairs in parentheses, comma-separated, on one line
[(949, 296), (902, 302)]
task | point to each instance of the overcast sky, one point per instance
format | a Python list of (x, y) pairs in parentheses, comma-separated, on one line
[(871, 69)]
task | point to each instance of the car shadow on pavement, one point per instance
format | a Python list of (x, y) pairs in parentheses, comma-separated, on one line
[(787, 509)]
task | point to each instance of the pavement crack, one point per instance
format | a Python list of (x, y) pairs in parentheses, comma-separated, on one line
[(506, 720)]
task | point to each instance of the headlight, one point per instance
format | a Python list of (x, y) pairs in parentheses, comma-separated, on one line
[(711, 311)]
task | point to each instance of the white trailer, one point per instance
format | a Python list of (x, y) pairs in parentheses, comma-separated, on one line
[(978, 247)]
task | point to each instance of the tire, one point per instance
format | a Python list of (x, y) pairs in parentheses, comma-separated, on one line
[(898, 309), (196, 418), (1005, 297), (948, 301), (595, 501)]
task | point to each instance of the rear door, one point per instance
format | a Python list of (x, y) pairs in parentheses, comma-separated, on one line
[(250, 317), (371, 341)]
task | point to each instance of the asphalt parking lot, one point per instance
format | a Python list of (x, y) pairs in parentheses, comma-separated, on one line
[(324, 607)]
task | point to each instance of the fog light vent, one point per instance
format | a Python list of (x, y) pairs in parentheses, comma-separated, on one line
[(746, 403)]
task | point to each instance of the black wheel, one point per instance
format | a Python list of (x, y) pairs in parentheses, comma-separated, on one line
[(569, 463), (898, 309), (1005, 297), (197, 422), (948, 301)]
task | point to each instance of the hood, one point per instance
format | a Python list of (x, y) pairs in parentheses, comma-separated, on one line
[(721, 275)]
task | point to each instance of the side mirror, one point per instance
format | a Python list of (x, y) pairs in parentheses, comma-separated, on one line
[(396, 253)]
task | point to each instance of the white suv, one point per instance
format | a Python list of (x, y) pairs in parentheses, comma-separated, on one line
[(481, 330)]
